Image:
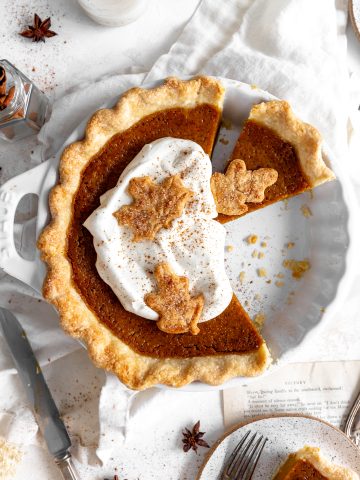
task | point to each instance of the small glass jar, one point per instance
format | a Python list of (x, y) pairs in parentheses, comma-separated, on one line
[(26, 111)]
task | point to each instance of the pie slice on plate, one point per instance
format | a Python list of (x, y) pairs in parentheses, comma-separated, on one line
[(276, 156), (309, 464)]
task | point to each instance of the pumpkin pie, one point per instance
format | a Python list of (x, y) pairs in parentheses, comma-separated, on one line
[(309, 464), (276, 156), (132, 347)]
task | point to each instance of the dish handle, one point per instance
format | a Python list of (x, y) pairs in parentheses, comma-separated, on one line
[(10, 195)]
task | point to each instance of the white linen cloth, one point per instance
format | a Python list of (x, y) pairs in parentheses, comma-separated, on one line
[(296, 49)]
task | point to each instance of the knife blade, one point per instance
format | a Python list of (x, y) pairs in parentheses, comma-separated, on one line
[(38, 394)]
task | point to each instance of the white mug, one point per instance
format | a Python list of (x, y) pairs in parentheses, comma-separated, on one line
[(113, 13)]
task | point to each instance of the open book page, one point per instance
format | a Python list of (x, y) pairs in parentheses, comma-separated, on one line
[(322, 389)]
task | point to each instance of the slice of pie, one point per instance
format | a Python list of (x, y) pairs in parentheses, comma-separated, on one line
[(274, 138), (131, 346), (309, 464)]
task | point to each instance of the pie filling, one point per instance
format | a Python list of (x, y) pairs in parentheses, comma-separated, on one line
[(300, 470), (308, 463), (230, 332), (260, 147)]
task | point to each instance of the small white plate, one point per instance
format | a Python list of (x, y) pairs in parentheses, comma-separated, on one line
[(286, 434), (354, 11)]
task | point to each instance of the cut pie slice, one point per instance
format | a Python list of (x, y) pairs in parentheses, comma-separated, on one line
[(309, 464), (122, 342), (274, 138)]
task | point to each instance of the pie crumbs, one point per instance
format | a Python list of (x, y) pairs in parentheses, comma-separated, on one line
[(305, 210), (297, 267), (259, 320), (261, 272), (252, 239)]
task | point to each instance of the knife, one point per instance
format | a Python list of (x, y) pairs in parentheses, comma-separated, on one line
[(38, 394)]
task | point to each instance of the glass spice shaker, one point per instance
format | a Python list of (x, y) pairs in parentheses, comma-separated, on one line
[(23, 107)]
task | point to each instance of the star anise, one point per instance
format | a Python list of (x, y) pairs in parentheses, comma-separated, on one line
[(39, 31), (194, 438)]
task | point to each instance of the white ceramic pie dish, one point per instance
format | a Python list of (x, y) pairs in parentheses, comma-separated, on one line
[(293, 311)]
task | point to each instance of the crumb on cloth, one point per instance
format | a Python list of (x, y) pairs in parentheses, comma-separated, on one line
[(10, 457)]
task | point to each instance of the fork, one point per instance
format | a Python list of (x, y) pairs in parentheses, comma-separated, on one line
[(354, 435), (243, 460)]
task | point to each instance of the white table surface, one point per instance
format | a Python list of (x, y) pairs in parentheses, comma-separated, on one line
[(83, 52)]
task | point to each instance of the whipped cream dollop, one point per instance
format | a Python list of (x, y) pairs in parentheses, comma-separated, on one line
[(193, 246)]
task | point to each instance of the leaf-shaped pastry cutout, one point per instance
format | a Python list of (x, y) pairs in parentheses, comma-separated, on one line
[(178, 311), (155, 206), (239, 186)]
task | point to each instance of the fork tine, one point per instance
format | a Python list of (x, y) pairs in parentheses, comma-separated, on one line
[(244, 458), (230, 462), (247, 457), (241, 457), (255, 455)]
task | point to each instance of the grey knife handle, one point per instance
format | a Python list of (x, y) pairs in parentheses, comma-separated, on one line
[(67, 468)]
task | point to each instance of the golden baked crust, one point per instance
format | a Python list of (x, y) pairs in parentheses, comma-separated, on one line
[(279, 117), (108, 351), (324, 466)]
